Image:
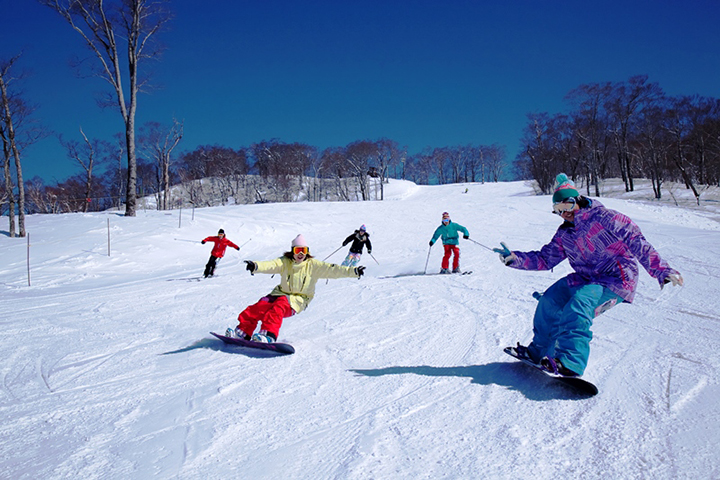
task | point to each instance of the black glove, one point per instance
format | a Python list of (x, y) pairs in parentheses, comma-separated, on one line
[(251, 266), (431, 243), (237, 248), (466, 237), (359, 271), (203, 242), (369, 252)]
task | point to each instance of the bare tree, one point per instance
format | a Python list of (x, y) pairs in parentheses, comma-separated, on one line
[(159, 141), (626, 102), (678, 124), (333, 161), (590, 129), (388, 154), (651, 147), (11, 108), (359, 155), (540, 158), (495, 156), (137, 21), (420, 167), (85, 155)]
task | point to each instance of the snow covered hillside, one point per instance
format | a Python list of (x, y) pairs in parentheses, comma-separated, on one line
[(108, 370)]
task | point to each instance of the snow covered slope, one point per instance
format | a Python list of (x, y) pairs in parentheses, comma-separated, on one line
[(108, 370)]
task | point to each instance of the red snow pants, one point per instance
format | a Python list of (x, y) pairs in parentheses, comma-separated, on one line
[(268, 310), (449, 250)]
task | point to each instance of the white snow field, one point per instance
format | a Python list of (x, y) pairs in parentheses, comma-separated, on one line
[(109, 371)]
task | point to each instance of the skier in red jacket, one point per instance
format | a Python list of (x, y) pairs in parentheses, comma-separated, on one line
[(218, 251)]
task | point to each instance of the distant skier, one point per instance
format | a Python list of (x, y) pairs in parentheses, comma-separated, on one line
[(603, 247), (449, 231), (218, 251), (359, 238), (299, 272)]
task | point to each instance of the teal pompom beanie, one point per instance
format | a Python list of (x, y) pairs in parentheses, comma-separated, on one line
[(564, 188)]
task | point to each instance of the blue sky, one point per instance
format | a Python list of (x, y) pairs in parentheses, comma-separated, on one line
[(326, 73)]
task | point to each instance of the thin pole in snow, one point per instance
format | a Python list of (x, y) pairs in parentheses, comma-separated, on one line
[(180, 218), (427, 260), (108, 225), (28, 258)]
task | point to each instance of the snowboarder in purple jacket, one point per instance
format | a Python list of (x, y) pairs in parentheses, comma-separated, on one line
[(603, 246)]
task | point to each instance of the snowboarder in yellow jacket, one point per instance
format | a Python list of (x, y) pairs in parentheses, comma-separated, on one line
[(299, 272)]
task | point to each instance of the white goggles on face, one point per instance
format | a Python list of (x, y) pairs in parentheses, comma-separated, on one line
[(565, 206)]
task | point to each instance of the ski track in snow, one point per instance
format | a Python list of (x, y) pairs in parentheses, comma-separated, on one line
[(108, 370)]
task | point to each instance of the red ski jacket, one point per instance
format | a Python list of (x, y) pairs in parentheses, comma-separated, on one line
[(220, 245)]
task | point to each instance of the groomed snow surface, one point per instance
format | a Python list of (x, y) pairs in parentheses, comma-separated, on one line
[(108, 369)]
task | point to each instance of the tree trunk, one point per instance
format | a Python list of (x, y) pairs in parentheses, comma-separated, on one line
[(9, 188), (11, 148)]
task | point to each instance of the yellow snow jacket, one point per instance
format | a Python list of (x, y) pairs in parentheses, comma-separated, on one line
[(297, 280)]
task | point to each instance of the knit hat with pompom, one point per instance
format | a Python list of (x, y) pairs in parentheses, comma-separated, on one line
[(564, 188)]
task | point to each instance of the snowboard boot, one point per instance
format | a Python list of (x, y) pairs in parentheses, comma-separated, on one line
[(522, 351), (553, 365), (264, 336), (236, 333)]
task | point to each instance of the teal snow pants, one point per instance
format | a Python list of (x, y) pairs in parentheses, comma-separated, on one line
[(562, 322)]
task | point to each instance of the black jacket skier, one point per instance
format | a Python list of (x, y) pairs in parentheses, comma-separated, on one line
[(359, 238)]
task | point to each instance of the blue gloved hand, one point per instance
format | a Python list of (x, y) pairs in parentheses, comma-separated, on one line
[(506, 256)]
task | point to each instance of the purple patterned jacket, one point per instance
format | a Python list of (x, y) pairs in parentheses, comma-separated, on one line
[(602, 247)]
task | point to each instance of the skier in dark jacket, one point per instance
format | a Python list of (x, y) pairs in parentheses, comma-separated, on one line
[(218, 251), (358, 238)]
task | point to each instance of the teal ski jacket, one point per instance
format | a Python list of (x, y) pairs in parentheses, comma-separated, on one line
[(449, 233)]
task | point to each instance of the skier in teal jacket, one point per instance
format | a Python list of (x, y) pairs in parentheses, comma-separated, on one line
[(449, 231)]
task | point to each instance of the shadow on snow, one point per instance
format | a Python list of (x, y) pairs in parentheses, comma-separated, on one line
[(533, 385)]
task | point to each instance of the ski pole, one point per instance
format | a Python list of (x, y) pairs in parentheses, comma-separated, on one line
[(374, 258), (427, 260), (244, 244), (478, 243), (333, 253), (184, 240)]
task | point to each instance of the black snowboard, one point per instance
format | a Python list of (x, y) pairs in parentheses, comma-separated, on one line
[(284, 348), (577, 383)]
